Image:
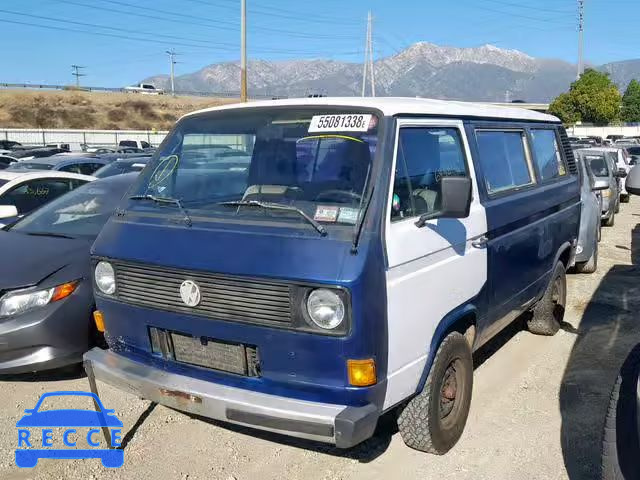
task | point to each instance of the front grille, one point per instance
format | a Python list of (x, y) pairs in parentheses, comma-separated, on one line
[(222, 297)]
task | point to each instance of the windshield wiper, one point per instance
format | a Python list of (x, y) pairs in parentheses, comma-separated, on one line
[(165, 200), (276, 206), (50, 234)]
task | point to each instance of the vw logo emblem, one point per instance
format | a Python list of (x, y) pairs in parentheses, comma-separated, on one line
[(190, 293)]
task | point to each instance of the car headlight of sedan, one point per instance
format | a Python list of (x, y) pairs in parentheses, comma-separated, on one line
[(325, 308), (21, 301), (105, 278)]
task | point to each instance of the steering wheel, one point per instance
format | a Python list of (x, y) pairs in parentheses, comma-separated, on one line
[(332, 195)]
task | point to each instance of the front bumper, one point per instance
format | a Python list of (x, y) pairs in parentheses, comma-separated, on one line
[(53, 336), (344, 426)]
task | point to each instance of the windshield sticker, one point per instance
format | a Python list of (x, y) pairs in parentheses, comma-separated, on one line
[(326, 213), (353, 122), (164, 169), (348, 215)]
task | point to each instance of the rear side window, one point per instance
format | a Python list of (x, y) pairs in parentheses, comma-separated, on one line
[(547, 154), (425, 155), (504, 160), (31, 194), (72, 168)]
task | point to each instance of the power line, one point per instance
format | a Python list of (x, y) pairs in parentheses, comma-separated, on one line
[(518, 15), (149, 40), (529, 7)]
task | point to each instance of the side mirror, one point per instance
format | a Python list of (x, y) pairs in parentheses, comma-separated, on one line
[(621, 173), (455, 200), (8, 211), (633, 181)]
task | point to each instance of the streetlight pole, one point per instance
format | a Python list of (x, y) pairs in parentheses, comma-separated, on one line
[(172, 62), (243, 50)]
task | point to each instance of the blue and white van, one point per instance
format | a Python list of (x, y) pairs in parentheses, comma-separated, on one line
[(304, 266)]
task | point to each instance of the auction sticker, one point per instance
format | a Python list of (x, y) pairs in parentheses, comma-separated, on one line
[(326, 213), (349, 122), (348, 215)]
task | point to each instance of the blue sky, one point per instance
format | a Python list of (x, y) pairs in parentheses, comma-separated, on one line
[(207, 31)]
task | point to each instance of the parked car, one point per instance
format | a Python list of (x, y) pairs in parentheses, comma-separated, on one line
[(586, 260), (37, 152), (49, 321), (605, 179), (123, 165), (613, 138), (356, 277), (145, 89), (9, 144), (6, 160), (141, 144), (634, 153), (621, 158), (74, 164), (24, 191)]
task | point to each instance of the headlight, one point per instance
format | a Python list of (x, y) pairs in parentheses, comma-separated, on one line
[(21, 301), (105, 278), (325, 308), (606, 193)]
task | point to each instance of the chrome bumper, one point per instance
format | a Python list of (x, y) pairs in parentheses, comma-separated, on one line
[(337, 424)]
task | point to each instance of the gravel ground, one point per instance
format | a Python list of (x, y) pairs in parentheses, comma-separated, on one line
[(537, 412)]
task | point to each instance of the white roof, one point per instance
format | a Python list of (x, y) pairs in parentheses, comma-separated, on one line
[(35, 174), (401, 105)]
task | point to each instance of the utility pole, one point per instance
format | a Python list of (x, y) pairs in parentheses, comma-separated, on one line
[(172, 61), (76, 73), (243, 50), (580, 38), (368, 59)]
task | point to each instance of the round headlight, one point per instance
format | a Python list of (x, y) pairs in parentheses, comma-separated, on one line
[(105, 278), (325, 308)]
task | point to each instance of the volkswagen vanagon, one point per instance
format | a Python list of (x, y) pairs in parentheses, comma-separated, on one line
[(348, 267)]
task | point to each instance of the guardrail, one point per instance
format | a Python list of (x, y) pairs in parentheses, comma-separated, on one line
[(182, 93)]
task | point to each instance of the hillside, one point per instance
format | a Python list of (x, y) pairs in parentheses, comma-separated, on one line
[(99, 111), (485, 73)]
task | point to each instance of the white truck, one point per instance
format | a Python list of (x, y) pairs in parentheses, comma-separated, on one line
[(145, 89)]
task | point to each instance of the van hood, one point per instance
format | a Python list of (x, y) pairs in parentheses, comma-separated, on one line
[(267, 252), (27, 260)]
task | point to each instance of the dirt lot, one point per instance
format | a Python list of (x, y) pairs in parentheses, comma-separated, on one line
[(537, 411), (94, 110)]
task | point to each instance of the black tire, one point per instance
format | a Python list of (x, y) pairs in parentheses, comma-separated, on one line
[(433, 421), (610, 222), (547, 314), (621, 436), (624, 198), (617, 209), (591, 265)]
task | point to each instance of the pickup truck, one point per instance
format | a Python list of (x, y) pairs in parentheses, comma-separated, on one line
[(145, 89)]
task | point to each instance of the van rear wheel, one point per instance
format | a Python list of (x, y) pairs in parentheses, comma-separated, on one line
[(548, 313), (434, 420)]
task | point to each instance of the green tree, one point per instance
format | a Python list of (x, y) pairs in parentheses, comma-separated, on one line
[(593, 99), (631, 102)]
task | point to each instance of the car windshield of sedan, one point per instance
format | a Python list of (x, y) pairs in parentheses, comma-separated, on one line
[(249, 163), (80, 213)]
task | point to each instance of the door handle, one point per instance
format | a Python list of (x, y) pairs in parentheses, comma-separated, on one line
[(480, 242)]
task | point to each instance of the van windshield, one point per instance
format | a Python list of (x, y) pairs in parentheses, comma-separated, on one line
[(241, 163)]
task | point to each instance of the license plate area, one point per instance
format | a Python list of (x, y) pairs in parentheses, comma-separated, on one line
[(206, 352)]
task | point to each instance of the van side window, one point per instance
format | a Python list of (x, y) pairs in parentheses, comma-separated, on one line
[(547, 154), (425, 155), (504, 160)]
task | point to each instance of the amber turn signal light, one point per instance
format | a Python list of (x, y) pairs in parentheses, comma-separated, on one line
[(99, 320), (362, 373), (63, 291)]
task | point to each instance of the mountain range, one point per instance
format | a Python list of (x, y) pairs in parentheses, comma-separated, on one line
[(485, 73)]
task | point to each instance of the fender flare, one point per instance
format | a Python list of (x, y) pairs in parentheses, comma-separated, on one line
[(441, 331)]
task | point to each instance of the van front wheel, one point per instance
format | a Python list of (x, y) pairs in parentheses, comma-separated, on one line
[(547, 315), (434, 420)]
